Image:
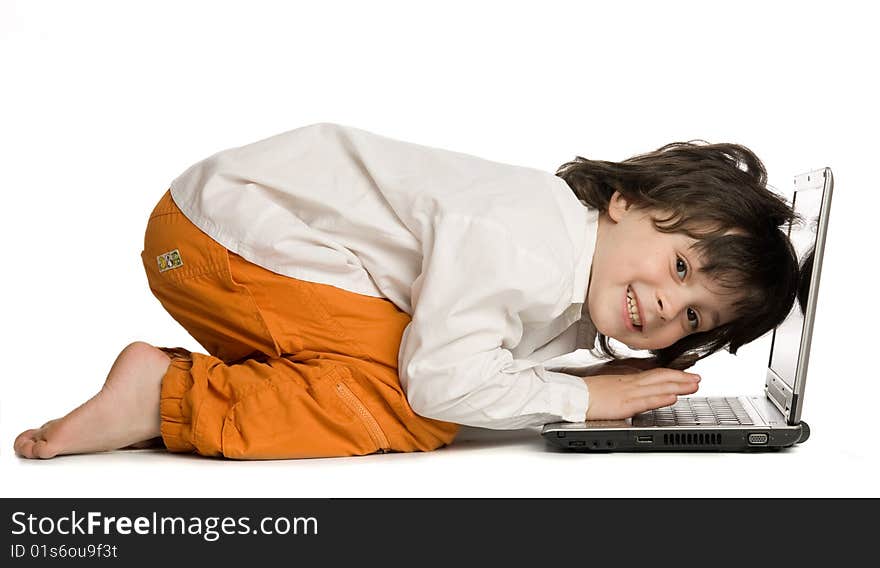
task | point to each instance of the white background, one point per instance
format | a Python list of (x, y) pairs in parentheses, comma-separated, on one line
[(104, 103)]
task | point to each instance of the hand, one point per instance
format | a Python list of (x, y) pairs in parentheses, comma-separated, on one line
[(617, 396)]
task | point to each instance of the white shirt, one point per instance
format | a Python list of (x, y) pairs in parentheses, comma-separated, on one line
[(491, 260)]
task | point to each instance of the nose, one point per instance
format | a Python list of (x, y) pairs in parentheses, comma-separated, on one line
[(669, 305)]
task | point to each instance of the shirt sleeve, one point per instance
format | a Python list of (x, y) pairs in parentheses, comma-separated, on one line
[(455, 356)]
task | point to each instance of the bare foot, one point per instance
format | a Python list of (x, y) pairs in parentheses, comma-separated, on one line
[(125, 413)]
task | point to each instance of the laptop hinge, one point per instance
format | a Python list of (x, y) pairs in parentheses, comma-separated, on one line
[(779, 393)]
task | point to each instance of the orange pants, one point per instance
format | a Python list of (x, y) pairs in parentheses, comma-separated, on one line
[(294, 369)]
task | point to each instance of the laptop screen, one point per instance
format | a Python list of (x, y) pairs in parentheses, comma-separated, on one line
[(788, 338)]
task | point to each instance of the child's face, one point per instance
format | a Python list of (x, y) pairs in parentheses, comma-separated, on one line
[(673, 299)]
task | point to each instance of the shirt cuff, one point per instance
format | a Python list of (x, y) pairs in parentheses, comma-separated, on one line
[(570, 397)]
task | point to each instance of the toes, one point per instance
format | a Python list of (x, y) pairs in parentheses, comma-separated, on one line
[(31, 444), (44, 450), (24, 442), (26, 449)]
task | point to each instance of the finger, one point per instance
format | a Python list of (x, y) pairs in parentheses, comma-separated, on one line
[(664, 375), (666, 388)]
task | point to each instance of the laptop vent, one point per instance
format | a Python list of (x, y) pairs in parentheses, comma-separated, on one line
[(691, 439)]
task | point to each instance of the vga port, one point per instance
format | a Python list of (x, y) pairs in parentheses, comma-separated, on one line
[(758, 439)]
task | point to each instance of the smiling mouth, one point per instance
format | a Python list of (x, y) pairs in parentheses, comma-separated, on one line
[(632, 306)]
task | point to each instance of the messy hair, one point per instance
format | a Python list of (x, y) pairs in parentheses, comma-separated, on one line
[(718, 195)]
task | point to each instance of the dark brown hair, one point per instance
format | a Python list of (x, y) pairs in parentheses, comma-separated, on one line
[(705, 191)]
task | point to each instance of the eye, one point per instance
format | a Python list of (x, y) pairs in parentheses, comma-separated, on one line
[(681, 266), (693, 318)]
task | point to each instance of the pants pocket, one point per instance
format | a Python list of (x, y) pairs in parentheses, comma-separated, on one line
[(297, 419), (374, 429)]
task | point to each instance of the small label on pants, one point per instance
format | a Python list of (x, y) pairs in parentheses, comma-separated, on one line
[(169, 260)]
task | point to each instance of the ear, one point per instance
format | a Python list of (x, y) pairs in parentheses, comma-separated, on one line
[(617, 207)]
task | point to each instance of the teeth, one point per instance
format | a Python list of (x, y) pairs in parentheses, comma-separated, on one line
[(633, 310)]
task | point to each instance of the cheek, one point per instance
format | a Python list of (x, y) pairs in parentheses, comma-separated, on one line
[(630, 264), (649, 269)]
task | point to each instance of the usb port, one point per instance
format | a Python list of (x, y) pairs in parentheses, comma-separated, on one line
[(647, 439)]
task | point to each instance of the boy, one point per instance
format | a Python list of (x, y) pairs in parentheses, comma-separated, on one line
[(359, 294)]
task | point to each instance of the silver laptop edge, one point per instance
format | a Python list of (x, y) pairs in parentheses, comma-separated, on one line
[(789, 400)]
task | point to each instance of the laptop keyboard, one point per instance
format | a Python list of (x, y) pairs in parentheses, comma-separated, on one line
[(696, 411)]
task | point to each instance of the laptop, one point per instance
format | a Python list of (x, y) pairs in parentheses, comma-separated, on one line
[(735, 423)]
